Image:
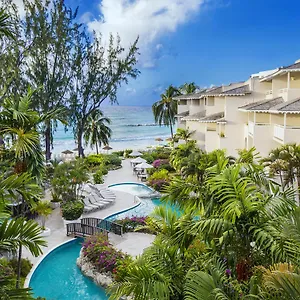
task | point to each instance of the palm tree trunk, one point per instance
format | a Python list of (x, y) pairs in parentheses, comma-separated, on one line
[(171, 128), (19, 267), (48, 140), (97, 148), (79, 141)]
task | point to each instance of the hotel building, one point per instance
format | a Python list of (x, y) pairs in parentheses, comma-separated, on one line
[(263, 112)]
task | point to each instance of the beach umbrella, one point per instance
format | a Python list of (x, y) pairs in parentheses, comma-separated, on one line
[(143, 166), (169, 139), (75, 149), (107, 148), (66, 152), (159, 139), (135, 153), (138, 160)]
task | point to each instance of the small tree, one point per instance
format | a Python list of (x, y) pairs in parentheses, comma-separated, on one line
[(43, 209)]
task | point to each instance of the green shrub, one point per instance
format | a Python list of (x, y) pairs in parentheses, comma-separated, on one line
[(127, 152), (121, 269), (26, 266), (160, 174), (98, 177), (72, 210), (118, 153), (114, 160), (6, 270), (94, 160)]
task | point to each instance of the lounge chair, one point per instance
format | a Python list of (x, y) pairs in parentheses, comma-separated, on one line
[(87, 202)]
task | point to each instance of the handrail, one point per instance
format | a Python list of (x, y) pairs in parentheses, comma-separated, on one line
[(82, 230), (105, 225)]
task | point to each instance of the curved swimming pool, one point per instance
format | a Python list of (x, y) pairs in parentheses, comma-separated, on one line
[(146, 206), (57, 277)]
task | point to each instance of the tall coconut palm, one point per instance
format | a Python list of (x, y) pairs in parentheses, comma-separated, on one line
[(5, 25), (165, 109), (96, 131), (189, 88)]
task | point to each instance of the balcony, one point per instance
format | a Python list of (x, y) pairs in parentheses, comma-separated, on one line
[(279, 132), (251, 128), (289, 94), (269, 94), (286, 135)]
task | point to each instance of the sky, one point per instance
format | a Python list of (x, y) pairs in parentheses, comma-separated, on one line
[(209, 42)]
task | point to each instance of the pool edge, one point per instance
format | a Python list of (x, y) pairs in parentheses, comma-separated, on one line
[(34, 268)]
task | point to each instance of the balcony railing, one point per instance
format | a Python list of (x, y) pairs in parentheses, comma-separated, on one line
[(269, 94), (251, 128), (279, 132)]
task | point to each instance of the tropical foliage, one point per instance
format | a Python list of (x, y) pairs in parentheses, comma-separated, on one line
[(96, 131), (165, 109), (236, 235)]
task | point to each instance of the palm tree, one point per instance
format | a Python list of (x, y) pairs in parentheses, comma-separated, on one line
[(189, 88), (96, 131), (18, 233), (183, 134), (5, 25), (165, 109)]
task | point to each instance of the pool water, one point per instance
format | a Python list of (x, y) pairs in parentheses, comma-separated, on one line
[(58, 278), (132, 188), (145, 208)]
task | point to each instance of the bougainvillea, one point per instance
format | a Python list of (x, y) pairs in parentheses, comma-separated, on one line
[(130, 224), (101, 253)]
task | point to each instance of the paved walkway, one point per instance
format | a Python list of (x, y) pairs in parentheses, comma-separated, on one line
[(131, 243)]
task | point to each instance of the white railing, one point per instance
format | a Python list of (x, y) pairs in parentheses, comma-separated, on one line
[(251, 128), (279, 132)]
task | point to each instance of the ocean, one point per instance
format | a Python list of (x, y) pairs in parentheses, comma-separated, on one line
[(133, 127)]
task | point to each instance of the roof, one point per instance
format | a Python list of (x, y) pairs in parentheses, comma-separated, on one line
[(183, 114), (195, 117), (214, 118), (196, 95), (239, 91), (291, 106), (283, 70), (263, 105)]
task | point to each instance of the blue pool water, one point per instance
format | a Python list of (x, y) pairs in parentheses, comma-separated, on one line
[(58, 278), (145, 208)]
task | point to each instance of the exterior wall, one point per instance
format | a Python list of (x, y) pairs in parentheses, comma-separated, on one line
[(262, 118), (219, 106), (211, 141), (279, 83), (234, 130), (196, 106), (199, 134), (293, 120)]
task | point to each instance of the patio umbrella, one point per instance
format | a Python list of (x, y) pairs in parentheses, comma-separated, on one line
[(67, 152), (107, 148), (135, 153), (138, 160), (143, 166)]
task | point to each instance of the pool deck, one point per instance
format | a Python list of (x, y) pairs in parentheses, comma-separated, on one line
[(131, 243)]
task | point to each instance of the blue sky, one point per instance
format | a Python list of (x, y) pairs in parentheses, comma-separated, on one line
[(205, 41)]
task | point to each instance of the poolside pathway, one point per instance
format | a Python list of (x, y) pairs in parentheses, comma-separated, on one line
[(132, 244)]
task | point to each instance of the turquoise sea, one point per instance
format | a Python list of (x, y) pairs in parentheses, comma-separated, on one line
[(132, 126)]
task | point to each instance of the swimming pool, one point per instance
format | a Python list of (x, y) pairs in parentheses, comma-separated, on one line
[(57, 277), (145, 208)]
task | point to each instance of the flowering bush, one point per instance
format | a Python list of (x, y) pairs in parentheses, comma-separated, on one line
[(160, 162), (130, 224), (102, 254)]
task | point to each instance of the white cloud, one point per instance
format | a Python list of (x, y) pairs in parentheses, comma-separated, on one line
[(148, 19), (130, 91)]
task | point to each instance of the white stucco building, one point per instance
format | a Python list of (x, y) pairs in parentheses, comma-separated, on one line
[(263, 111)]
